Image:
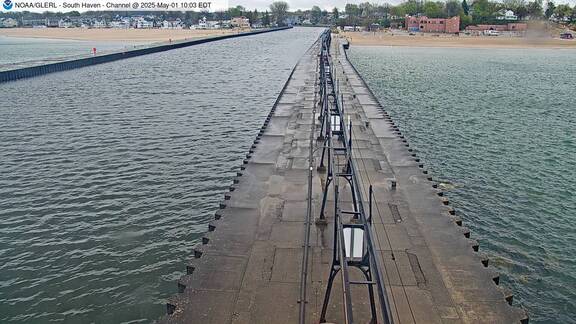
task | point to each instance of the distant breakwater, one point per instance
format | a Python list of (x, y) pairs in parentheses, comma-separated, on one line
[(32, 71)]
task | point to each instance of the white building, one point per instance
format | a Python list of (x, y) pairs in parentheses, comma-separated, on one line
[(292, 20), (143, 23), (123, 23), (208, 24), (213, 24), (353, 28), (100, 24), (506, 15), (240, 22), (172, 24), (65, 23), (8, 23), (202, 24)]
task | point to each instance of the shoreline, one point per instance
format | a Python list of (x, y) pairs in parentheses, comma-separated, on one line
[(467, 47), (450, 41), (113, 35)]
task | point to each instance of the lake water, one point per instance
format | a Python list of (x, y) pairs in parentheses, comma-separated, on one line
[(498, 128), (109, 174), (17, 50)]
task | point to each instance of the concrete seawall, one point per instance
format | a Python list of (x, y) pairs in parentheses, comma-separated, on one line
[(32, 71), (265, 259)]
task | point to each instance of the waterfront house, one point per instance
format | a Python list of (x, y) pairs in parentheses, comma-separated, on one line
[(144, 23), (8, 23), (213, 24), (202, 24), (120, 23), (99, 23), (33, 22), (208, 24), (353, 28), (51, 22), (225, 23), (240, 22), (172, 24), (65, 23), (432, 25), (506, 15), (292, 20)]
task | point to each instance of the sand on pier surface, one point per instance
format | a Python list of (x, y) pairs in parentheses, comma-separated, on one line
[(443, 40), (108, 34)]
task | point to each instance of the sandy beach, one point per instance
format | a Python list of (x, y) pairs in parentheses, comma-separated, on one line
[(138, 35), (430, 40)]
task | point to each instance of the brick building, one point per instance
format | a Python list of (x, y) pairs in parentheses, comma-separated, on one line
[(433, 25)]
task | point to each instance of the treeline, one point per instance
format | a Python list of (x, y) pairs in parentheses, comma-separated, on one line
[(478, 12), (275, 16), (188, 16), (364, 14)]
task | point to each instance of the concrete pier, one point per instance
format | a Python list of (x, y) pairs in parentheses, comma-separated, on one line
[(249, 266)]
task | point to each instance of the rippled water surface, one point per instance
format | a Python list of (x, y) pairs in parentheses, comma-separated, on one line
[(497, 127), (109, 174)]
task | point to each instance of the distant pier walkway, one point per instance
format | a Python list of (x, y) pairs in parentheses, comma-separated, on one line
[(363, 212)]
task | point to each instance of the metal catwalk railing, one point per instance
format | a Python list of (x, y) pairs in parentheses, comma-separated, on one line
[(353, 244), (309, 217)]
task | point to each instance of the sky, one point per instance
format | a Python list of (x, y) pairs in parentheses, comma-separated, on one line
[(324, 4)]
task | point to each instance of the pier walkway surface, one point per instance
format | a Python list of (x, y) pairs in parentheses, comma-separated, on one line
[(254, 265)]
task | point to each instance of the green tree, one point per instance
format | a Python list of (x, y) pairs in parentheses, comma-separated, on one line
[(563, 11), (534, 8), (335, 14), (252, 16), (366, 9), (219, 15), (279, 10), (398, 11), (412, 7), (465, 21), (465, 7), (352, 9), (236, 11), (484, 10), (434, 9), (315, 15), (453, 8), (266, 19), (550, 6), (512, 4), (383, 11), (521, 11)]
